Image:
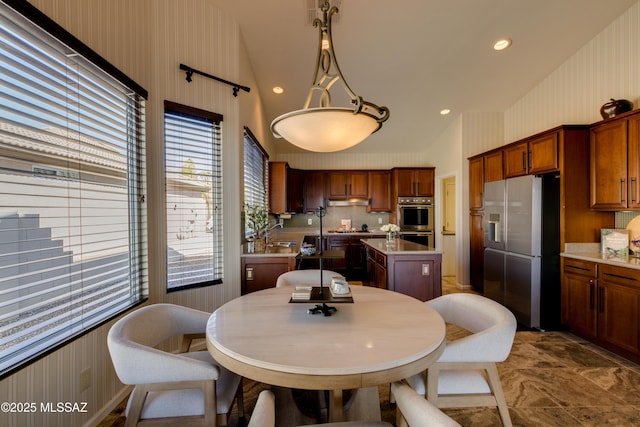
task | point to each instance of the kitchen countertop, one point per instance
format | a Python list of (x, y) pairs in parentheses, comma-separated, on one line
[(399, 246), (297, 236), (591, 252)]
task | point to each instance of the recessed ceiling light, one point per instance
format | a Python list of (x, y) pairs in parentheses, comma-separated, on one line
[(445, 111), (278, 90), (502, 44)]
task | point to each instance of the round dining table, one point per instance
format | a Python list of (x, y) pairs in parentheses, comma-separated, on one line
[(381, 337)]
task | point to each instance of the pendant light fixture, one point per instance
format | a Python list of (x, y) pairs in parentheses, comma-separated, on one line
[(326, 128)]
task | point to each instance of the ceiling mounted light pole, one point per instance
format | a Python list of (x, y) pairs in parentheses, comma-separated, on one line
[(326, 128)]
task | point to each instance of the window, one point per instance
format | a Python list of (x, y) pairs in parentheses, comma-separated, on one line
[(72, 185), (193, 174), (255, 173)]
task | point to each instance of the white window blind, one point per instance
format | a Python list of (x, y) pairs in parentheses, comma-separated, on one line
[(255, 174), (193, 165), (72, 236)]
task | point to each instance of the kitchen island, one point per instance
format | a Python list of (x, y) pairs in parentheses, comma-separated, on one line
[(405, 267)]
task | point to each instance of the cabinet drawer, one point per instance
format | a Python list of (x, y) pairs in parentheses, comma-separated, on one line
[(379, 258), (619, 275), (582, 268)]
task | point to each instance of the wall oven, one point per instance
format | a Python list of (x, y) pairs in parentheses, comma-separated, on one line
[(423, 238), (415, 214)]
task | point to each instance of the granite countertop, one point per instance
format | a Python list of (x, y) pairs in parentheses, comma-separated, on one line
[(591, 252), (399, 246), (297, 237)]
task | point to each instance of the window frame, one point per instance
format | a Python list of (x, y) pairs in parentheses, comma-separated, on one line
[(42, 27), (196, 114), (250, 138)]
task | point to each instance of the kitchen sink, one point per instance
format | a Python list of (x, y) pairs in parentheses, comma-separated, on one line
[(281, 244)]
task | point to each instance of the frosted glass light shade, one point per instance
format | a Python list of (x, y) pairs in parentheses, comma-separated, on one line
[(324, 129)]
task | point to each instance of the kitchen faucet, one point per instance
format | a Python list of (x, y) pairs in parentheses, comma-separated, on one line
[(280, 224)]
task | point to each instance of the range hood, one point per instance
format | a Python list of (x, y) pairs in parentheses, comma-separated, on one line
[(349, 202)]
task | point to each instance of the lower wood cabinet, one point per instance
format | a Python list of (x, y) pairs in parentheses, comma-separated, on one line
[(354, 265), (416, 275), (259, 272), (578, 297), (601, 302), (619, 306)]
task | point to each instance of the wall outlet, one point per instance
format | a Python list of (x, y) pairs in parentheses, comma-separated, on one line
[(379, 220), (85, 379), (309, 221)]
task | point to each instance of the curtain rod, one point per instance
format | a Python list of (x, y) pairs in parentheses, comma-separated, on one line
[(191, 71)]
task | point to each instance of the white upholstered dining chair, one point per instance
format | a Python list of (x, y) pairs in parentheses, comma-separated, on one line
[(171, 388), (412, 410), (305, 278), (466, 374)]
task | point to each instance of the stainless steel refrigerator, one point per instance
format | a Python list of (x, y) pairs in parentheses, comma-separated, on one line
[(521, 255)]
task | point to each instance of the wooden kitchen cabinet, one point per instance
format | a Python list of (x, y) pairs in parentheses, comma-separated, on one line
[(295, 190), (601, 302), (313, 190), (376, 268), (409, 182), (285, 188), (543, 154), (532, 156), (259, 272), (338, 243), (346, 185), (353, 266), (578, 296), (278, 187), (493, 167), (476, 250), (379, 183), (618, 304), (615, 163), (418, 275), (476, 183), (515, 160)]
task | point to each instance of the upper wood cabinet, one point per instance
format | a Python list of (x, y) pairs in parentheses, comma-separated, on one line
[(278, 187), (615, 163), (515, 160), (379, 183), (533, 156), (346, 184), (285, 188), (295, 193), (493, 168), (476, 183), (313, 190), (543, 154), (417, 182)]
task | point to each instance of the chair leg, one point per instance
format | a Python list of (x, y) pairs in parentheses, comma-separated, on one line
[(431, 384), (240, 399), (136, 402), (496, 388)]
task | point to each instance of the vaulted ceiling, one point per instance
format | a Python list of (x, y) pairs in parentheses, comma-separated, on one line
[(417, 56)]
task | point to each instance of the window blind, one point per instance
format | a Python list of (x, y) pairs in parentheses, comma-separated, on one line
[(193, 165), (255, 174), (72, 185)]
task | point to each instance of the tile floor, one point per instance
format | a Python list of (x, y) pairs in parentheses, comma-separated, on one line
[(550, 379), (558, 379)]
